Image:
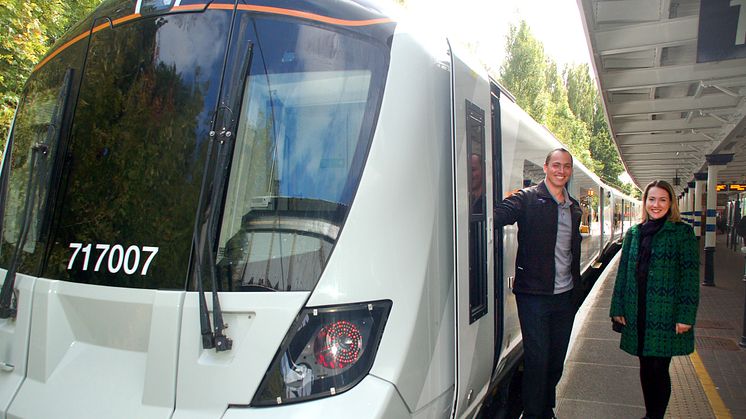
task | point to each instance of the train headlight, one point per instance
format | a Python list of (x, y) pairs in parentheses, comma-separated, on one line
[(327, 351)]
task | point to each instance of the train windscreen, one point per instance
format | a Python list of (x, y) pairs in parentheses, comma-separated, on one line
[(131, 169)]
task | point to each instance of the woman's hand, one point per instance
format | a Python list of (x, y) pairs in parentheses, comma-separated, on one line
[(682, 328), (620, 319)]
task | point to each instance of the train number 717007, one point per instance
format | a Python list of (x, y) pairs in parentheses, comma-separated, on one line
[(113, 258)]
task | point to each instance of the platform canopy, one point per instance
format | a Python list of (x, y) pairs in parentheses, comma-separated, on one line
[(673, 78)]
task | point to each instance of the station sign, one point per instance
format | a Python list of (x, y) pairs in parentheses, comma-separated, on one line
[(735, 187), (722, 30)]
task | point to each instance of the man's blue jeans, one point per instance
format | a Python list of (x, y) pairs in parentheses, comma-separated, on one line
[(546, 324)]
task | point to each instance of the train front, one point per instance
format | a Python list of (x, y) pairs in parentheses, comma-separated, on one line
[(179, 177)]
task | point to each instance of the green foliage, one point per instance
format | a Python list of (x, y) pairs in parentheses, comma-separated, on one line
[(567, 104), (581, 93), (29, 28), (524, 72), (586, 105), (631, 190)]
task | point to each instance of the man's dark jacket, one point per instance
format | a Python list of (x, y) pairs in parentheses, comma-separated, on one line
[(536, 213)]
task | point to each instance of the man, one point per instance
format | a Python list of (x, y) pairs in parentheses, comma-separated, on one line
[(547, 272)]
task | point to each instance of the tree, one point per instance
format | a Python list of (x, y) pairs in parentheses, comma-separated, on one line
[(524, 71), (539, 89), (586, 104), (581, 94), (568, 105), (30, 28)]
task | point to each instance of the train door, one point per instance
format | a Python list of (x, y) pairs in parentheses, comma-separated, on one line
[(473, 239), (602, 216), (497, 188)]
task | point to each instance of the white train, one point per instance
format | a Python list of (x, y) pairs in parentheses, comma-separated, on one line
[(270, 208)]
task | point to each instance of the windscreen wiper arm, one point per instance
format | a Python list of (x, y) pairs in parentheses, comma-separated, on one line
[(203, 238), (222, 139)]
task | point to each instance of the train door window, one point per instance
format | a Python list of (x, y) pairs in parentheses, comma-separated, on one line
[(477, 212), (617, 215)]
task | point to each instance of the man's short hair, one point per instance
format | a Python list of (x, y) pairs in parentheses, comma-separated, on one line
[(560, 149)]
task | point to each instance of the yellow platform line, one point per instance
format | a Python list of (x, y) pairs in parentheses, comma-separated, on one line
[(716, 403)]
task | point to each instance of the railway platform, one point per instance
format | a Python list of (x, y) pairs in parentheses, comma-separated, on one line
[(601, 381)]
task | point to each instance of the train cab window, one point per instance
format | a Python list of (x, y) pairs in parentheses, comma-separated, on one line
[(475, 138), (305, 126), (28, 166), (133, 172)]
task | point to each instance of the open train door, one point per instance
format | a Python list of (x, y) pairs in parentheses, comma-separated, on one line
[(474, 249)]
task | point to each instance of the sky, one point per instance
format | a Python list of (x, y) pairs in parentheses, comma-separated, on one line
[(556, 23)]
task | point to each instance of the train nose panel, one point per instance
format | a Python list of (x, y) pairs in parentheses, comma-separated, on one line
[(208, 381), (100, 352)]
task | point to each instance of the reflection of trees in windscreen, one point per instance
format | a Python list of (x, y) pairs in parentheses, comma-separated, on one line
[(37, 122), (136, 171), (26, 133)]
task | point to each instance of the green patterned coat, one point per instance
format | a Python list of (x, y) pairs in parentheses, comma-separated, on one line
[(672, 292)]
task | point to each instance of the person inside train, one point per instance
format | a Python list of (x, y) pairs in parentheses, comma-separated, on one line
[(656, 293), (547, 274)]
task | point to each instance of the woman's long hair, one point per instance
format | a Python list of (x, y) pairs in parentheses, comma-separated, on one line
[(673, 212)]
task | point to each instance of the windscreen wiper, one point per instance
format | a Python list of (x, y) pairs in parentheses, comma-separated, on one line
[(212, 335), (204, 238), (40, 156)]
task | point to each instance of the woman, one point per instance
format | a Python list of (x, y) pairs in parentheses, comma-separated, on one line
[(657, 292)]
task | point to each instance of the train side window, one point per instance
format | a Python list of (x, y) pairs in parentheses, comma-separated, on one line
[(477, 212)]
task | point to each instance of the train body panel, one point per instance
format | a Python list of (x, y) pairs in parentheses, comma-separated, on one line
[(79, 332), (14, 343), (373, 397), (323, 172)]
